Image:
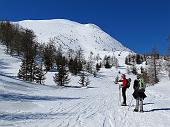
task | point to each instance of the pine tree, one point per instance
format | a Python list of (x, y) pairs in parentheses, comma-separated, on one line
[(107, 65), (82, 80), (126, 61), (23, 71), (27, 69), (153, 67), (138, 59), (87, 81), (71, 65), (61, 78), (48, 55), (90, 64), (98, 67), (28, 65), (75, 66), (39, 76)]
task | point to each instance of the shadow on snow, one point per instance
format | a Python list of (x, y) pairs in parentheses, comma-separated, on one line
[(79, 87), (29, 116), (28, 98), (158, 109)]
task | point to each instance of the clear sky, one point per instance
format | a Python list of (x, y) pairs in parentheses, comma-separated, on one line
[(139, 24)]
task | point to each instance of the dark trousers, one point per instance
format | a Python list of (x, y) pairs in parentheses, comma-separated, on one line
[(124, 95)]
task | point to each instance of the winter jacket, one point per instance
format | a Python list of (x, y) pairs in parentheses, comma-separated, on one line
[(138, 93), (124, 82)]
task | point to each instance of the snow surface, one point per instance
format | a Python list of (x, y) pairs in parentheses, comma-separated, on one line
[(24, 104), (73, 35)]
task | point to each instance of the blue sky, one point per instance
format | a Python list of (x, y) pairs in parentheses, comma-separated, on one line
[(139, 24)]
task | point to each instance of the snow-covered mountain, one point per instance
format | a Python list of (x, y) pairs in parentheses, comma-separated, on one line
[(73, 35), (25, 104)]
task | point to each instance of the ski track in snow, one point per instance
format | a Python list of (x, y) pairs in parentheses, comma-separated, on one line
[(98, 107)]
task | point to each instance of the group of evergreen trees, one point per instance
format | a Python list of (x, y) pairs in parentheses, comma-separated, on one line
[(15, 38), (38, 59), (22, 42), (109, 62), (132, 59)]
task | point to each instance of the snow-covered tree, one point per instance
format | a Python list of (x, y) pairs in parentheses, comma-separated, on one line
[(82, 80), (98, 58), (90, 63)]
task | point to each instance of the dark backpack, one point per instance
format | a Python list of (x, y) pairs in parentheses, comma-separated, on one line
[(128, 82)]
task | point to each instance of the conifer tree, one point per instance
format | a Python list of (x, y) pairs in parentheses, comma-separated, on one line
[(39, 74), (23, 71), (90, 64), (61, 78), (98, 67), (48, 55), (87, 81), (153, 67), (107, 65), (82, 80)]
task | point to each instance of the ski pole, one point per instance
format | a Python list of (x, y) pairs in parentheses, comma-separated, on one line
[(119, 94)]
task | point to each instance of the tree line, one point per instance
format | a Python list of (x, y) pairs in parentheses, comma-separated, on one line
[(38, 59), (153, 64)]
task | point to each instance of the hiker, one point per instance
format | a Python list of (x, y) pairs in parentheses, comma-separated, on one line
[(124, 83), (139, 93)]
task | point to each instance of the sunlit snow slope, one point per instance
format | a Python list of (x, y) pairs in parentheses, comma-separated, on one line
[(73, 35)]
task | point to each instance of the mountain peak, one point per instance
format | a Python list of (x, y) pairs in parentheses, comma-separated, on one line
[(73, 35)]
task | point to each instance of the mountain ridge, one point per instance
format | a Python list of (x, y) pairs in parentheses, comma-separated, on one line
[(73, 35)]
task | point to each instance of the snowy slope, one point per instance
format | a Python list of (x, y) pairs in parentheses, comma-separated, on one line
[(73, 35), (8, 65), (24, 104), (29, 105)]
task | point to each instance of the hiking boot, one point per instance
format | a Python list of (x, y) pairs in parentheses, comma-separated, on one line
[(123, 104), (135, 110), (141, 111)]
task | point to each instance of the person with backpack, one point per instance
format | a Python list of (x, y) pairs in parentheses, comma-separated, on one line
[(124, 83), (139, 93)]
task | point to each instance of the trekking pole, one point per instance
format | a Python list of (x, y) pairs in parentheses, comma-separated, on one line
[(119, 94), (130, 104)]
